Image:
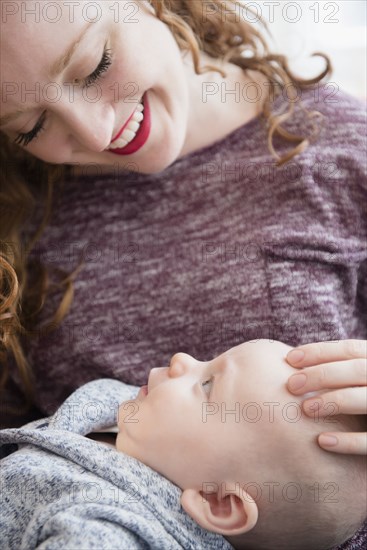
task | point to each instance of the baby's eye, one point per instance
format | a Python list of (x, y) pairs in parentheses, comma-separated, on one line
[(207, 385)]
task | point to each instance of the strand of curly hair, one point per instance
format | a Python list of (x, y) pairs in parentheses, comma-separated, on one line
[(26, 181)]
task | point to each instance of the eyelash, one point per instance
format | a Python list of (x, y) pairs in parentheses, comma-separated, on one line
[(103, 66), (211, 379), (105, 63)]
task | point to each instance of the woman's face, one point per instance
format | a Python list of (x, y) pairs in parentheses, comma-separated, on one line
[(80, 122)]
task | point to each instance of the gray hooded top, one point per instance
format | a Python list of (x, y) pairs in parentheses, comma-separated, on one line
[(61, 490)]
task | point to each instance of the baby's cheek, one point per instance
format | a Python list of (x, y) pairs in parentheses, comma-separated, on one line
[(128, 413)]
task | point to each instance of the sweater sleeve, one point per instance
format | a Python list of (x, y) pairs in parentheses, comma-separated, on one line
[(46, 511), (86, 526)]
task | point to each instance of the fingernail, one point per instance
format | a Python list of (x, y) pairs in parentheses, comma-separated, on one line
[(295, 356), (328, 440), (297, 381)]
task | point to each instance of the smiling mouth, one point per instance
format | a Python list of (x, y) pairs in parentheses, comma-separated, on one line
[(130, 128)]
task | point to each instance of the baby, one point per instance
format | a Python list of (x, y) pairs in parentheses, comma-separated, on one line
[(232, 437), (212, 455)]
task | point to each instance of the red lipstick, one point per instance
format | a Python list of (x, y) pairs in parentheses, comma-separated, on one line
[(141, 136)]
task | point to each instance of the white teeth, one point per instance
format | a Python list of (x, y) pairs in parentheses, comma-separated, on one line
[(138, 117), (131, 129), (118, 144), (133, 125), (128, 135)]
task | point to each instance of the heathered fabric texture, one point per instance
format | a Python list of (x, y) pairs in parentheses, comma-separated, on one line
[(219, 248), (61, 490)]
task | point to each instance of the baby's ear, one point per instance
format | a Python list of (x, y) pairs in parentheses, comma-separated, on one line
[(225, 511)]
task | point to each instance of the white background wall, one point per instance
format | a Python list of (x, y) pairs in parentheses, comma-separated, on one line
[(337, 28)]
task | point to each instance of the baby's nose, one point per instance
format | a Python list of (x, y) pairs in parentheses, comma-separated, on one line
[(156, 376), (180, 364)]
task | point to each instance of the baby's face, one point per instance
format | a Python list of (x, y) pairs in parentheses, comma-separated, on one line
[(199, 421)]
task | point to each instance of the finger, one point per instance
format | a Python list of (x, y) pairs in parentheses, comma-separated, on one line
[(329, 375), (342, 401), (354, 443), (325, 352)]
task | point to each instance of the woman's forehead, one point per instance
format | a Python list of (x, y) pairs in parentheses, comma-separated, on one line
[(34, 32), (33, 52), (37, 29), (31, 15), (41, 25)]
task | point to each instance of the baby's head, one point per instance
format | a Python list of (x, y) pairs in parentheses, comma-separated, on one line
[(232, 437)]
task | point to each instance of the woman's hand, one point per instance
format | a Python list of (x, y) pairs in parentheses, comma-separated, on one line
[(342, 368)]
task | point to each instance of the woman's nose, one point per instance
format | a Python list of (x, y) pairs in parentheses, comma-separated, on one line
[(87, 126)]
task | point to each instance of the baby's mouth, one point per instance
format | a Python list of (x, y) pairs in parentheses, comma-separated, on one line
[(144, 390)]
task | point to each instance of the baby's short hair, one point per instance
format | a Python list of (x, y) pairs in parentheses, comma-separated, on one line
[(332, 508)]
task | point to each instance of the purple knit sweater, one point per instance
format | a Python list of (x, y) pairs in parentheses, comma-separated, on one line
[(219, 248)]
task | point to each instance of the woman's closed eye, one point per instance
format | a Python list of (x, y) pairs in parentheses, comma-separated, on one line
[(104, 64)]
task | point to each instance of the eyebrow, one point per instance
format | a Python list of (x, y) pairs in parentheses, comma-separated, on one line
[(58, 67)]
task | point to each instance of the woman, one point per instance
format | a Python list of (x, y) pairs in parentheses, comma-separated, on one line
[(195, 229)]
